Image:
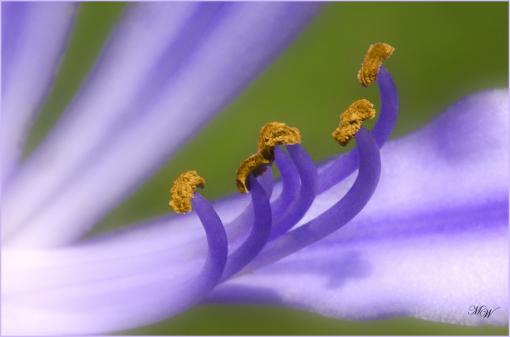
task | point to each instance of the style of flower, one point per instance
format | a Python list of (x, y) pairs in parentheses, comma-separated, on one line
[(420, 229)]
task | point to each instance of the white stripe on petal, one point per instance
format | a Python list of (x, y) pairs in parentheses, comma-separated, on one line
[(33, 40), (107, 98), (236, 50)]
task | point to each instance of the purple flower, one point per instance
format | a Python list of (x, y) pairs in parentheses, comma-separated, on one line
[(418, 228)]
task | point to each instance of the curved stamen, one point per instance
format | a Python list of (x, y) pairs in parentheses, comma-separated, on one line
[(308, 190), (270, 136), (238, 226), (339, 214), (290, 182), (389, 107), (216, 239), (267, 180), (259, 233), (346, 164), (183, 199)]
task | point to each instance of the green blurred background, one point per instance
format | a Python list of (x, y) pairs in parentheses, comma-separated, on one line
[(443, 52)]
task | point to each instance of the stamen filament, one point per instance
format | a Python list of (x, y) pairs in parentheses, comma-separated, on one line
[(339, 214), (241, 224), (345, 164), (259, 234), (266, 180), (290, 182), (216, 239), (309, 182), (389, 107)]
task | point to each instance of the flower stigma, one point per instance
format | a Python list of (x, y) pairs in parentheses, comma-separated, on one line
[(183, 189), (352, 119), (376, 54)]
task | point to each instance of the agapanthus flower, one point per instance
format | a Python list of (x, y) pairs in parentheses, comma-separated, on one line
[(415, 228)]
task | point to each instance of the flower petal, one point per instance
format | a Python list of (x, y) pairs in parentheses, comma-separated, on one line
[(458, 161), (434, 276), (429, 263), (417, 181), (112, 304), (431, 243), (223, 64), (122, 74), (33, 40)]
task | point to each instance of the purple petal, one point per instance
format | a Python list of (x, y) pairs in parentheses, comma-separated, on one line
[(435, 276), (428, 255), (431, 242), (114, 91), (234, 51), (458, 161), (104, 303), (424, 175), (33, 40)]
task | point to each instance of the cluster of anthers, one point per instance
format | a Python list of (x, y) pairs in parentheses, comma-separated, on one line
[(273, 221)]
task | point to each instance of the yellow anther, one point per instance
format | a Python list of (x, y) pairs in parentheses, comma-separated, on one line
[(376, 54), (276, 133), (253, 164), (271, 135), (182, 191), (352, 119)]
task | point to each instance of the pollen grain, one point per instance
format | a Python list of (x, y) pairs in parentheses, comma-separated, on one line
[(374, 58), (352, 119), (256, 164), (183, 189), (276, 133)]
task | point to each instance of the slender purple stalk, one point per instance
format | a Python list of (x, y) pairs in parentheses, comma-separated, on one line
[(308, 175), (267, 180), (216, 239), (240, 225), (290, 182), (339, 214), (390, 104), (344, 165), (258, 235)]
